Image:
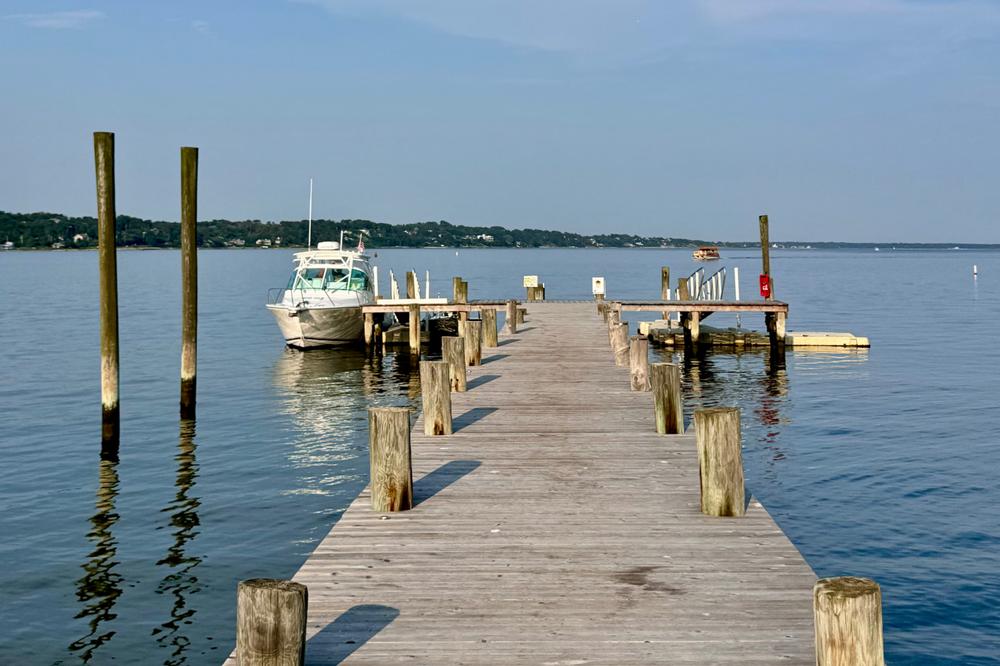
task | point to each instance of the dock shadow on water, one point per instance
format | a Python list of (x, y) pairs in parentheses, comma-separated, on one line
[(101, 585), (180, 580), (434, 482), (349, 632)]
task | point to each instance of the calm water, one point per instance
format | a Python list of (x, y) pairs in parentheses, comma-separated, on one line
[(875, 463)]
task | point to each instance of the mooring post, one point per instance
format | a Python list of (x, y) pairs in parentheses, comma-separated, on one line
[(619, 344), (369, 328), (665, 287), (391, 474), (489, 316), (638, 361), (522, 313), (414, 332), (104, 163), (847, 613), (720, 461), (510, 318), (474, 342), (453, 351), (411, 285), (614, 318), (456, 289), (189, 280), (435, 390), (668, 405), (271, 622)]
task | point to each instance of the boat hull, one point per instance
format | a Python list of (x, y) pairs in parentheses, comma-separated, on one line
[(319, 327)]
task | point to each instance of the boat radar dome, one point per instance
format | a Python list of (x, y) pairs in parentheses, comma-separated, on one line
[(328, 245)]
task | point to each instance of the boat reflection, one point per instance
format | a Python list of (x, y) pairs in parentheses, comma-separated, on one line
[(100, 586), (180, 581), (326, 393)]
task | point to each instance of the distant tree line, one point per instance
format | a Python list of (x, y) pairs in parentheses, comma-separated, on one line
[(41, 230), (46, 230)]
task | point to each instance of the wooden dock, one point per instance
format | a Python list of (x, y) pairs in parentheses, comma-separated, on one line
[(556, 527)]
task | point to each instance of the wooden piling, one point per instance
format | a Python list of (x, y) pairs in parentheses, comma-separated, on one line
[(189, 280), (765, 253), (104, 163), (435, 390), (474, 342), (720, 461), (414, 332), (521, 314), (668, 404), (411, 285), (638, 360), (683, 293), (453, 351), (391, 473), (665, 287), (369, 328), (619, 344), (848, 618), (271, 622), (456, 290), (489, 316), (510, 318)]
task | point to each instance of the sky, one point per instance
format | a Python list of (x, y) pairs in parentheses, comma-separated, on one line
[(851, 120)]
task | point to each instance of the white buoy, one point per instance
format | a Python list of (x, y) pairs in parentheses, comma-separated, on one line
[(975, 272)]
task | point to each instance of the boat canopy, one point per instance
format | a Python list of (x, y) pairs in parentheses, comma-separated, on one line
[(331, 269)]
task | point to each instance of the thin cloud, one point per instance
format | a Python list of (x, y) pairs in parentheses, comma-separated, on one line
[(202, 26), (748, 10), (58, 20)]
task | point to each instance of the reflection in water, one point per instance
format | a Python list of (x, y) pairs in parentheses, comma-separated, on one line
[(180, 581), (101, 585), (757, 381), (326, 392)]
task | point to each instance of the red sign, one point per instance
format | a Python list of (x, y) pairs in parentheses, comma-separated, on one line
[(765, 286)]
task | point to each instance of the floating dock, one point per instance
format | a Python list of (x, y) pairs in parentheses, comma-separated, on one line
[(556, 527), (669, 334)]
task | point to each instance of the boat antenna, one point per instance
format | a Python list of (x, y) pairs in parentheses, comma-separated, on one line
[(309, 236)]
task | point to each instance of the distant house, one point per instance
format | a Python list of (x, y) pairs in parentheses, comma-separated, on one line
[(58, 245), (263, 242), (236, 242), (8, 245), (277, 241), (79, 238)]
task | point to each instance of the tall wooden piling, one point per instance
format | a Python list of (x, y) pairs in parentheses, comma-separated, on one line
[(521, 314), (765, 253), (848, 618), (189, 280), (104, 163), (489, 316), (638, 360), (391, 473), (619, 344), (720, 461), (474, 342), (668, 404), (414, 332), (271, 622), (453, 351), (665, 287), (435, 390), (510, 318)]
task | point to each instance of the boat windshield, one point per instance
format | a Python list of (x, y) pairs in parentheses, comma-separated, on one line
[(330, 279)]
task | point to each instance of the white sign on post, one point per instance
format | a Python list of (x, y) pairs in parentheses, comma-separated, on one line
[(530, 280), (597, 285)]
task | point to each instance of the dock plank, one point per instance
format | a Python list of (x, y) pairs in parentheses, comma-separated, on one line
[(556, 527)]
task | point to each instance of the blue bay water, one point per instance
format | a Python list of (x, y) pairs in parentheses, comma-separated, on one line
[(876, 463)]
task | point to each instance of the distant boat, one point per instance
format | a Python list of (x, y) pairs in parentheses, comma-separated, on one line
[(876, 249), (706, 253)]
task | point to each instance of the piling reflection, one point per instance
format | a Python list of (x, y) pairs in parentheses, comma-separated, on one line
[(181, 580), (100, 586)]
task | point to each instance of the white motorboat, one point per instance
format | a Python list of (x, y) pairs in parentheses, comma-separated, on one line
[(321, 305)]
